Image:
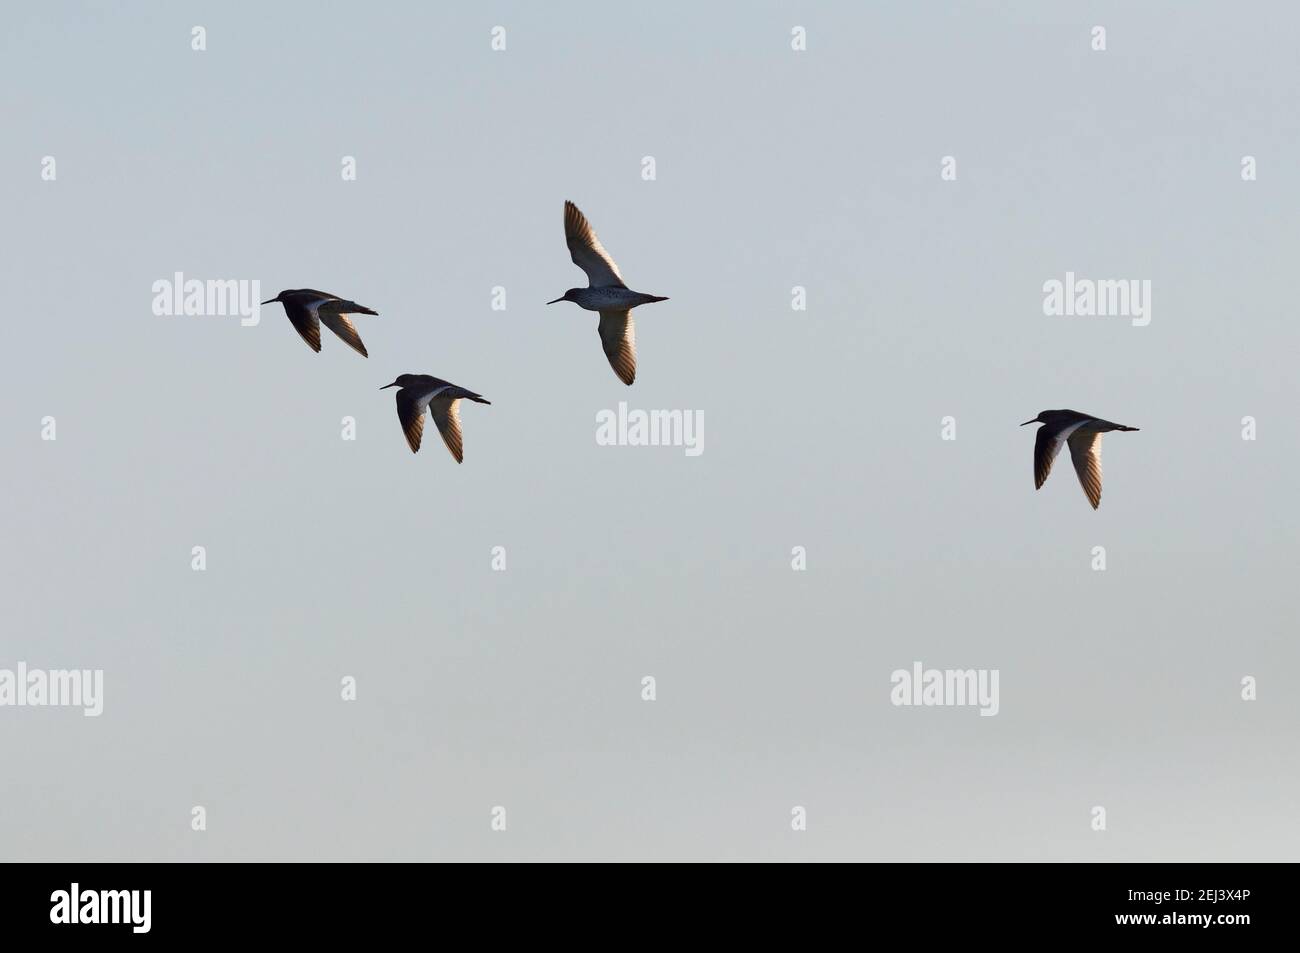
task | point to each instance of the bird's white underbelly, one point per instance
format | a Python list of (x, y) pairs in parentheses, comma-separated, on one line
[(426, 398), (1063, 436)]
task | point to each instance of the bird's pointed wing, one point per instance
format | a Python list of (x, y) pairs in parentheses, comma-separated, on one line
[(445, 412), (304, 322), (1047, 445), (341, 325), (411, 413), (618, 338), (1085, 450), (587, 252)]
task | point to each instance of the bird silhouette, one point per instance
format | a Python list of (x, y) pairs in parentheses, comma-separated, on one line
[(1083, 433), (419, 391), (606, 293), (309, 309)]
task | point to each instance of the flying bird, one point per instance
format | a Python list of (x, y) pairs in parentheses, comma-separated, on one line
[(419, 391), (605, 293), (308, 310), (1083, 433)]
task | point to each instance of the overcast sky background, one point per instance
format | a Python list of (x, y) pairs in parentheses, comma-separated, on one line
[(521, 688)]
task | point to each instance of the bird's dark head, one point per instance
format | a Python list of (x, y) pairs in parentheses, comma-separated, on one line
[(570, 295), (1047, 417), (403, 380)]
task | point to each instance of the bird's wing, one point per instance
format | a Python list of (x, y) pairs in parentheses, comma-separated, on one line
[(618, 338), (1085, 450), (411, 413), (304, 322), (445, 412), (587, 252), (341, 325), (1046, 446)]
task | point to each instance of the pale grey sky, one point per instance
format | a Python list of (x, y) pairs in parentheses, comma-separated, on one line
[(521, 688)]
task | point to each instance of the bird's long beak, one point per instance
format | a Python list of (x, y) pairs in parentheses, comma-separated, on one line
[(1034, 421), (560, 298), (272, 301), (386, 386)]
